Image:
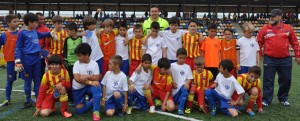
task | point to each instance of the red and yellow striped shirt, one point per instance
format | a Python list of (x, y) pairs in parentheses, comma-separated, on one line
[(135, 49), (162, 82), (191, 44), (202, 80), (57, 46)]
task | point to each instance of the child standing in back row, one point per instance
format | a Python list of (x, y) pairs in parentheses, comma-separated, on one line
[(122, 47)]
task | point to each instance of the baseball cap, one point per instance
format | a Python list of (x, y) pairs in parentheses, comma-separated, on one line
[(276, 12)]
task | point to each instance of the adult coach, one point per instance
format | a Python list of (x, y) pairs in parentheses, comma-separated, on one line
[(276, 38), (154, 12)]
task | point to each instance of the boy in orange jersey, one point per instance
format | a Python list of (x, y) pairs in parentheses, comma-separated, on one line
[(135, 48), (191, 42), (9, 39), (228, 48), (54, 86), (56, 45), (252, 85), (202, 81), (210, 50), (107, 42)]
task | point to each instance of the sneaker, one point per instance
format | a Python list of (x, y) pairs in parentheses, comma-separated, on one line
[(188, 110), (250, 112), (265, 104), (66, 114), (285, 103), (120, 113), (180, 112), (213, 111), (96, 116), (129, 110), (157, 102), (27, 104), (152, 109), (5, 103)]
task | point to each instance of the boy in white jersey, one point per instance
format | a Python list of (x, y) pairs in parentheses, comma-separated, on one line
[(89, 24), (122, 47), (115, 88), (155, 44), (247, 50), (86, 82), (137, 83), (225, 85), (182, 77)]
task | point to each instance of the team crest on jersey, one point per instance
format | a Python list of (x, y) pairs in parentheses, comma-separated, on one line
[(90, 72), (157, 45), (227, 87), (177, 38), (115, 83), (181, 72), (252, 45), (216, 45)]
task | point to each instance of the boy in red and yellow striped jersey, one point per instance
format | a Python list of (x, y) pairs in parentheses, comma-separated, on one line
[(202, 80), (56, 45), (135, 48), (191, 42), (228, 49), (54, 86), (252, 85)]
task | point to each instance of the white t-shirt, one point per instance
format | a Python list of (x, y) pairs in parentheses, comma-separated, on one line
[(248, 51), (226, 86), (90, 68), (114, 82), (180, 75), (139, 80), (93, 42), (121, 50), (173, 41), (154, 48)]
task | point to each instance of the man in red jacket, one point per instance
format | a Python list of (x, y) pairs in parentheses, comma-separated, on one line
[(275, 39)]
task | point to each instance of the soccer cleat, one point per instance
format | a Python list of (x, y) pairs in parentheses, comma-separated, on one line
[(250, 112), (285, 103), (5, 103), (120, 113), (96, 116), (180, 112), (27, 104), (157, 102), (152, 109), (188, 110), (265, 104), (213, 111), (129, 110), (66, 114)]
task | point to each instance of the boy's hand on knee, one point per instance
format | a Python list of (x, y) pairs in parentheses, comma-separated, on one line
[(174, 85), (58, 86), (186, 86), (103, 102), (232, 103), (124, 108), (131, 88), (95, 83), (36, 113)]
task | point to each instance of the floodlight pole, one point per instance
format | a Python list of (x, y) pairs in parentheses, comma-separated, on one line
[(15, 7), (281, 3), (27, 7), (49, 7), (216, 9), (249, 3), (118, 8), (58, 7)]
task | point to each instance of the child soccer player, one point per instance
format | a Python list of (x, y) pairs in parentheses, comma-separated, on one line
[(86, 82), (210, 50), (203, 79), (251, 83), (247, 50), (69, 55), (182, 77), (155, 44), (228, 48), (27, 56), (9, 39), (225, 85), (54, 86), (137, 83), (56, 45), (122, 47), (107, 42), (135, 48), (191, 43), (89, 24), (115, 88)]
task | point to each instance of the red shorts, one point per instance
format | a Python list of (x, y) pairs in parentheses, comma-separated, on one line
[(160, 94), (190, 62), (48, 102), (199, 94), (133, 65), (105, 66)]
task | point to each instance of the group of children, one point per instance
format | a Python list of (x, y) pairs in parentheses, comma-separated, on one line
[(170, 69)]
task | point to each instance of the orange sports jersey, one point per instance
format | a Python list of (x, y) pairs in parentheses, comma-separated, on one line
[(135, 49), (9, 46), (228, 50), (203, 79), (162, 82), (57, 46), (242, 79), (191, 44), (211, 48), (107, 44), (48, 82)]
